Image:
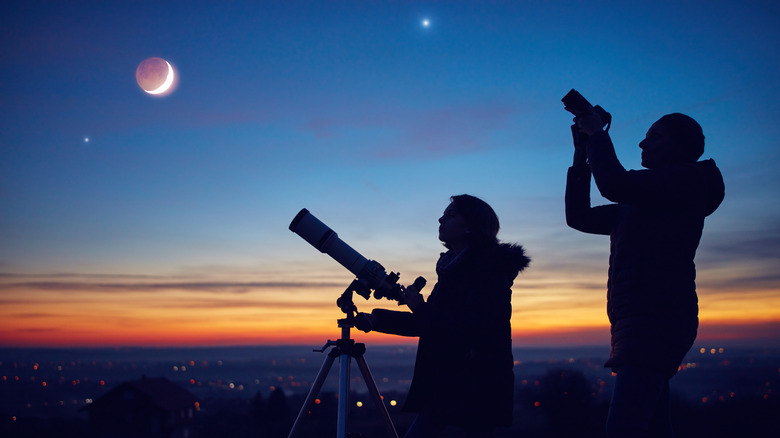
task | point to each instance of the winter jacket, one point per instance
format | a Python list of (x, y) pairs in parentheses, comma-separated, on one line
[(463, 371), (654, 225)]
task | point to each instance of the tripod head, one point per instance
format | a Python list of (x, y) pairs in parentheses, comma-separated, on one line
[(345, 302), (361, 285)]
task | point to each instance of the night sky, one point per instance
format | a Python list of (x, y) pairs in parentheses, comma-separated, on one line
[(129, 219)]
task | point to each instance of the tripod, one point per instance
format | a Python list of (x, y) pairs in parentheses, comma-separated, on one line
[(345, 349)]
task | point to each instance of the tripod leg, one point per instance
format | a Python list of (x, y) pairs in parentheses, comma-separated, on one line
[(313, 392), (372, 388), (341, 425)]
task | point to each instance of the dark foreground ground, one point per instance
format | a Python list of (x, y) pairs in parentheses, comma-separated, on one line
[(257, 392)]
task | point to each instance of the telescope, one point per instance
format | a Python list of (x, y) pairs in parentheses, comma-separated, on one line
[(370, 274)]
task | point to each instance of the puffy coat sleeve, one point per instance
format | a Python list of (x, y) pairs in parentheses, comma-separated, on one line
[(430, 319), (395, 322), (579, 214)]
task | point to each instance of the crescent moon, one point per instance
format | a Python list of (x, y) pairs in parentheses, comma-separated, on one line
[(167, 84)]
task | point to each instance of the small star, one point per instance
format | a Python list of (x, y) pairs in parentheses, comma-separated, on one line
[(86, 139), (426, 22)]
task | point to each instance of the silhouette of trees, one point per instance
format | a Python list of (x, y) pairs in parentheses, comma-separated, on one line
[(568, 403), (259, 411), (245, 418), (279, 415), (745, 416), (34, 427), (226, 418)]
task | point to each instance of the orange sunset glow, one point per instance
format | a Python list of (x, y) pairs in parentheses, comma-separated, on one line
[(122, 312)]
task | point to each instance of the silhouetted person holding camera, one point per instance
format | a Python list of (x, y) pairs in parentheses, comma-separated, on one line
[(463, 372), (654, 224)]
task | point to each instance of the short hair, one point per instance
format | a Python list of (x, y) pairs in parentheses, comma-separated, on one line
[(687, 136), (481, 220)]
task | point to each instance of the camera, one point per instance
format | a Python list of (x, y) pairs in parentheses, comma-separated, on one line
[(574, 100), (370, 274)]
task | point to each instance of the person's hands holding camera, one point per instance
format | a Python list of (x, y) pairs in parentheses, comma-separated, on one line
[(588, 122)]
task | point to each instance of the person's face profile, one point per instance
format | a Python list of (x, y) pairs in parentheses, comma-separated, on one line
[(657, 147), (453, 230)]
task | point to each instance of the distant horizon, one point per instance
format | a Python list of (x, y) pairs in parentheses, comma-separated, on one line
[(711, 336)]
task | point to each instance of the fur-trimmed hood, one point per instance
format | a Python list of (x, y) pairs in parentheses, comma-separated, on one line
[(513, 257), (508, 258)]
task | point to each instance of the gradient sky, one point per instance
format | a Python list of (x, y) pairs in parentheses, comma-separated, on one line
[(132, 220)]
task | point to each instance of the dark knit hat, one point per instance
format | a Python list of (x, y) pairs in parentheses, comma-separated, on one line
[(480, 217), (687, 135)]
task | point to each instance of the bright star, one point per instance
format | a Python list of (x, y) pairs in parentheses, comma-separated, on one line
[(426, 23), (86, 139)]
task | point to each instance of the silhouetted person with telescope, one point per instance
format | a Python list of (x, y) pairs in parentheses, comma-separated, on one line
[(463, 372), (655, 224)]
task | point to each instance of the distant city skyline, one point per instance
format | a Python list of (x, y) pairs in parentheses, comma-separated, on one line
[(133, 220), (736, 387)]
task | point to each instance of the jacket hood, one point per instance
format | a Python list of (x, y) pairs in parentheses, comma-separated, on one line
[(509, 258), (716, 189), (513, 257)]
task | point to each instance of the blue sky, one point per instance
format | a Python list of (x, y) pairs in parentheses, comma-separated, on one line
[(369, 119)]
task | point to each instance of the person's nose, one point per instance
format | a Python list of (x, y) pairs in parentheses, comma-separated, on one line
[(441, 220), (642, 144)]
